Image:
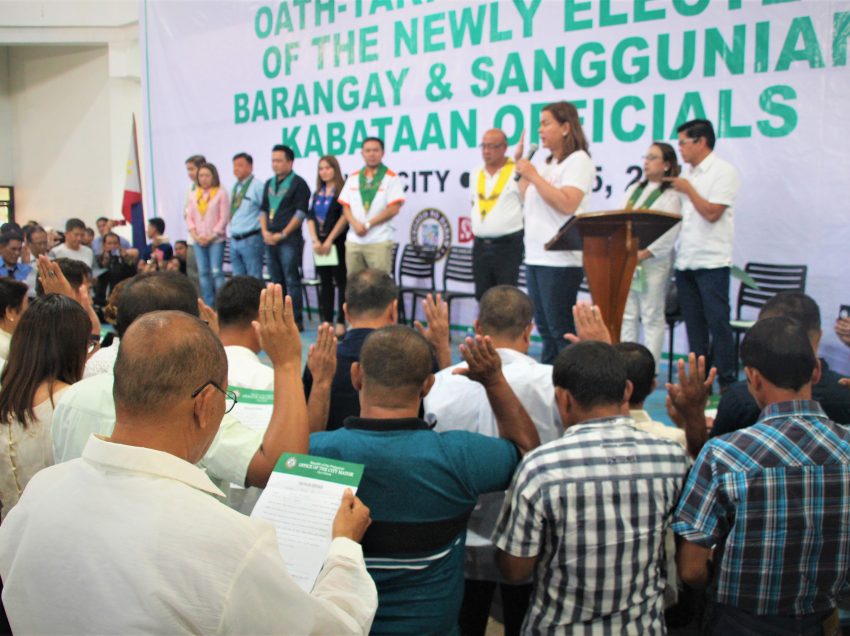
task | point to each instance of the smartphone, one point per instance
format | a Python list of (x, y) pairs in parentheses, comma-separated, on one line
[(844, 312)]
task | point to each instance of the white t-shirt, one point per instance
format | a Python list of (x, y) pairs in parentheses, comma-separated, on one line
[(102, 361), (245, 370), (702, 244), (505, 217), (669, 201), (83, 254), (390, 191), (542, 221)]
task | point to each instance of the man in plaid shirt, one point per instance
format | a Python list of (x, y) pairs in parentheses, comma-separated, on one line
[(772, 501), (586, 514)]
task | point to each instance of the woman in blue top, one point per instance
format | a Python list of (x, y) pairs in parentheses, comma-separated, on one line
[(328, 226)]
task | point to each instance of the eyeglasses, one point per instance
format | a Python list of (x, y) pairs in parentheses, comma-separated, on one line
[(686, 141), (652, 157), (230, 399), (491, 146)]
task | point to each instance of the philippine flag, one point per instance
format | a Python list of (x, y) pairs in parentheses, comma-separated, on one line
[(131, 208)]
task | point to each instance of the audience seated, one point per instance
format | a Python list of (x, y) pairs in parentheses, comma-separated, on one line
[(770, 501), (13, 303), (129, 538), (11, 245), (73, 247), (103, 359), (457, 403), (370, 303), (587, 513), (238, 454), (738, 408), (36, 244), (47, 355), (237, 304), (421, 485)]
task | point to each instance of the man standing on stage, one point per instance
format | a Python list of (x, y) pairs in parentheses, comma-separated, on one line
[(370, 198), (246, 241), (286, 199), (496, 217), (705, 246)]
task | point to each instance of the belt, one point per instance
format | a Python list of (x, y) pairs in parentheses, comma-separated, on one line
[(507, 238), (239, 237)]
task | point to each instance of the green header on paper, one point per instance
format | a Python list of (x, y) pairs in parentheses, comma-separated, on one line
[(252, 396), (332, 470)]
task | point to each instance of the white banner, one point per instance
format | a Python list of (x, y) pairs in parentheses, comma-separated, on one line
[(431, 76)]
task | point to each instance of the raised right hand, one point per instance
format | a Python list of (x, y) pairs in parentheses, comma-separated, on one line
[(276, 328)]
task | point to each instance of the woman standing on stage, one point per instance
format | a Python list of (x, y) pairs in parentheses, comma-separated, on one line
[(552, 194), (327, 227), (647, 296), (207, 219)]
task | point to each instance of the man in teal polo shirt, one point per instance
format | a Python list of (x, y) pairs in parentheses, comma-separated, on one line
[(421, 486)]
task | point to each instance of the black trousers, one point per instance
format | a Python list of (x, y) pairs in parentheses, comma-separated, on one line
[(332, 279), (477, 597), (496, 261)]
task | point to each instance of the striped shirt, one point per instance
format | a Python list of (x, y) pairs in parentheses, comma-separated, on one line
[(593, 507), (774, 498)]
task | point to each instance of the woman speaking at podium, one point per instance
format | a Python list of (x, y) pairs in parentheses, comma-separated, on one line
[(559, 189), (647, 296)]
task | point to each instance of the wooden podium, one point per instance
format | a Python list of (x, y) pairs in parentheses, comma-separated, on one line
[(610, 242)]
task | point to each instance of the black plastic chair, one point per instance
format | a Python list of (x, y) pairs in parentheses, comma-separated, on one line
[(771, 279), (522, 278), (306, 284), (417, 263), (672, 316), (458, 269), (394, 263)]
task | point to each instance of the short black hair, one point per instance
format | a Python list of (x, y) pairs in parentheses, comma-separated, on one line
[(155, 291), (238, 301), (9, 226), (101, 218), (245, 156), (593, 372), (795, 306), (369, 292), (89, 231), (196, 160), (12, 294), (29, 230), (640, 369), (290, 155), (76, 273), (396, 357), (375, 139), (10, 235), (74, 224), (780, 349), (505, 310), (181, 242), (697, 128), (158, 223)]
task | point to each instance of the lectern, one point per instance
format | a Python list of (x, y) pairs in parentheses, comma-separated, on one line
[(610, 242)]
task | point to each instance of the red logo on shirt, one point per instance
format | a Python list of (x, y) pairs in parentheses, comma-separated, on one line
[(464, 229)]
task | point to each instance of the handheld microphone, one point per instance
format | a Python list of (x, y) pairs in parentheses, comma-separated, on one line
[(531, 150)]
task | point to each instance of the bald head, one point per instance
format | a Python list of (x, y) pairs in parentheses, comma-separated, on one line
[(494, 145), (164, 356)]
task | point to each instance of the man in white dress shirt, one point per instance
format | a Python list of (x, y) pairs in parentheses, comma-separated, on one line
[(496, 217), (238, 454), (129, 539), (704, 257), (457, 403), (237, 304)]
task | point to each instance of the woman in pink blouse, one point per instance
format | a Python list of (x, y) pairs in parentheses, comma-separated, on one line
[(209, 213)]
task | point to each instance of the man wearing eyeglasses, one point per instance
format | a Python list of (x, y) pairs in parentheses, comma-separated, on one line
[(496, 217), (130, 537), (704, 256)]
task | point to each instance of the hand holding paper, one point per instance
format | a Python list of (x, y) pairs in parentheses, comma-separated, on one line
[(352, 519)]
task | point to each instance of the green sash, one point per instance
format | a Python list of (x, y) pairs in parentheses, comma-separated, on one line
[(369, 187), (646, 205), (238, 195), (276, 194)]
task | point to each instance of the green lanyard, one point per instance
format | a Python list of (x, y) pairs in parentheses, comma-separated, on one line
[(369, 187), (652, 198), (276, 193), (238, 195)]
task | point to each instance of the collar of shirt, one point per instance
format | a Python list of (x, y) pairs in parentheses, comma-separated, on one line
[(401, 424), (353, 340), (704, 165), (792, 408), (124, 458), (616, 420), (243, 354), (509, 356), (639, 415)]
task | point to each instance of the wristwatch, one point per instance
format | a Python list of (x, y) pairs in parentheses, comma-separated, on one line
[(367, 225)]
